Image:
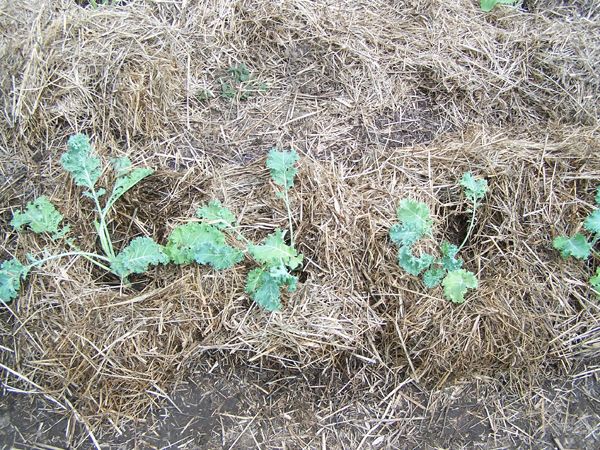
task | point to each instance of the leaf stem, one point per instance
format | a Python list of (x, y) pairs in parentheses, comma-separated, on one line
[(471, 226), (102, 229), (78, 253), (88, 257), (286, 200)]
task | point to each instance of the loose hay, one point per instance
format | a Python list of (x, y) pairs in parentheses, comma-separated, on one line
[(384, 100)]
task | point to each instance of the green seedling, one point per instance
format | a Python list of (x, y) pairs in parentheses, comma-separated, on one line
[(41, 217), (579, 246), (206, 242), (239, 83), (488, 5), (415, 223), (276, 258)]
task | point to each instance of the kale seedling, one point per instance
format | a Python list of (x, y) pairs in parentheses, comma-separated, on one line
[(206, 243), (415, 223), (240, 83), (41, 217), (277, 259), (578, 246)]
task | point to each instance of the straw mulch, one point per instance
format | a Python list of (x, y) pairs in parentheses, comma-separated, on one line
[(384, 101)]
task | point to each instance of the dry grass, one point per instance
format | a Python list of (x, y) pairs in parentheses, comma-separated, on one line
[(384, 100)]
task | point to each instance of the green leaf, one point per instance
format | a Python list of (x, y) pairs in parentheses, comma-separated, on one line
[(592, 222), (239, 73), (448, 259), (283, 278), (11, 273), (219, 256), (274, 252), (488, 5), (433, 277), (263, 285), (141, 253), (402, 234), (411, 263), (474, 188), (228, 91), (216, 214), (414, 216), (185, 239), (80, 161), (597, 196), (456, 284), (126, 182), (281, 165), (595, 281), (576, 246), (41, 217)]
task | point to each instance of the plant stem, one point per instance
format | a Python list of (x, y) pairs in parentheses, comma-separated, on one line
[(286, 199), (471, 225), (88, 257), (102, 229), (62, 255)]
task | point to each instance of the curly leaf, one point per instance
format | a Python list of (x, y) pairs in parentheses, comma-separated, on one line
[(141, 253), (126, 182), (433, 277), (414, 216), (228, 91), (274, 252), (219, 256), (263, 286), (284, 278), (402, 234), (239, 73), (474, 188), (216, 214), (448, 259), (41, 217), (11, 273), (592, 222), (411, 263), (185, 239), (456, 284), (595, 281), (576, 246), (80, 162), (281, 165)]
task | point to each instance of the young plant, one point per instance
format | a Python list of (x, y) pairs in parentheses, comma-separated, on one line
[(239, 83), (415, 224), (579, 246), (488, 5), (276, 258), (41, 217), (206, 242)]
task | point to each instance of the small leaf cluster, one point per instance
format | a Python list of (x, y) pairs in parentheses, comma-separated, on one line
[(579, 246), (277, 260), (205, 242), (415, 223), (239, 83)]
